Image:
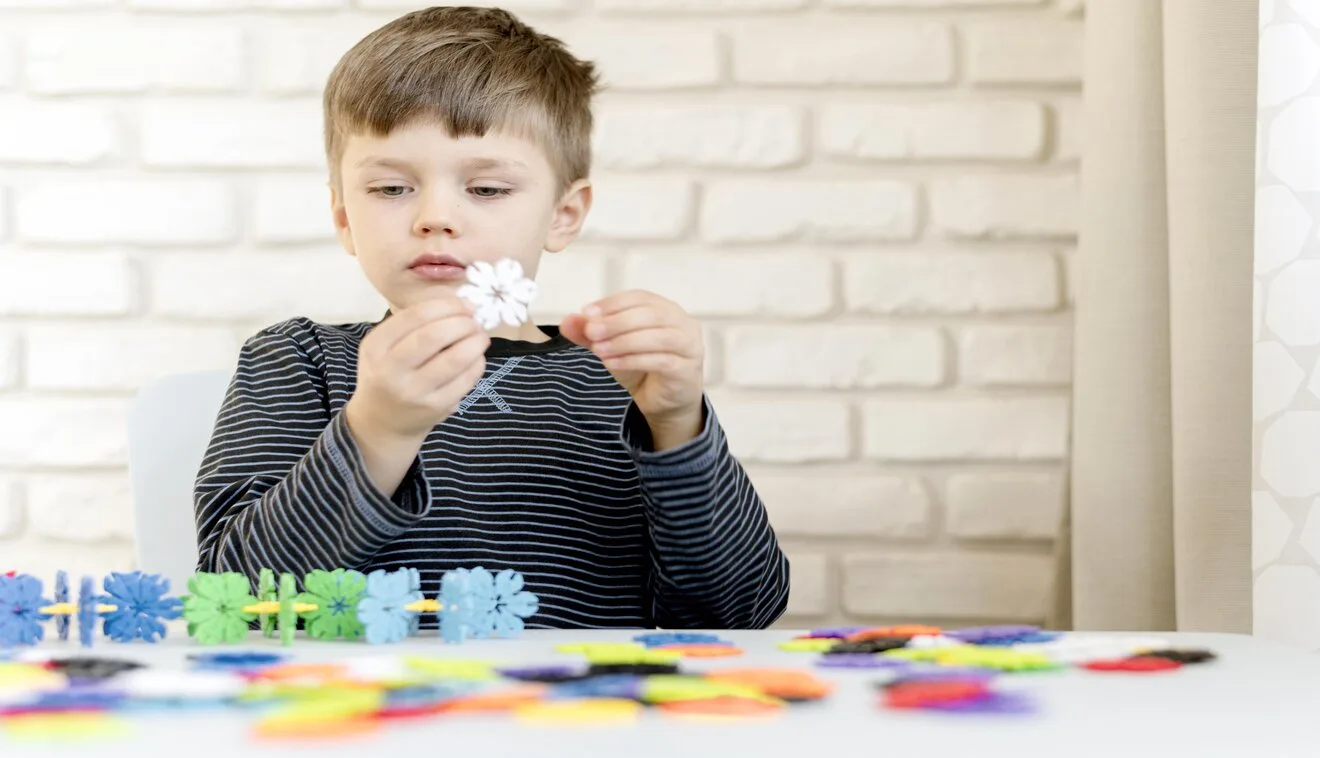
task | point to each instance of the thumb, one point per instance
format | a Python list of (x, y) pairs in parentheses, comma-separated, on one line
[(574, 327)]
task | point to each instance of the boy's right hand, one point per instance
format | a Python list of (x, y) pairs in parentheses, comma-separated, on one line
[(414, 368)]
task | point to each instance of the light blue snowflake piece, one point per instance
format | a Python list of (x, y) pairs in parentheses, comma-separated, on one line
[(62, 596), (467, 599), (382, 611), (512, 604), (21, 618), (140, 605), (415, 584), (87, 614)]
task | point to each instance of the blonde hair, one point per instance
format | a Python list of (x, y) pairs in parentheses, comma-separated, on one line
[(470, 70)]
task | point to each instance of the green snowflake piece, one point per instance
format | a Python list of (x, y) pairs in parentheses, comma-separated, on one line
[(336, 595), (288, 619), (214, 607), (266, 591)]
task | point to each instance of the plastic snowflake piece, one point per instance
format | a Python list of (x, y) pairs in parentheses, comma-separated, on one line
[(336, 595), (467, 604), (267, 592), (414, 584), (61, 598), (500, 292), (512, 604), (20, 611), (140, 606), (288, 615), (214, 607), (383, 611), (87, 611)]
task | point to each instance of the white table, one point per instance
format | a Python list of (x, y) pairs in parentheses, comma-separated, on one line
[(1259, 700)]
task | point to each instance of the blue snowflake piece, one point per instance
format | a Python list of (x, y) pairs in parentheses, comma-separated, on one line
[(512, 604), (236, 661), (62, 596), (657, 639), (87, 614), (415, 585), (467, 598), (21, 618), (382, 611), (140, 606)]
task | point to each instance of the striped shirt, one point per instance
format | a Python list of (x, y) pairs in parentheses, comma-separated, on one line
[(544, 469)]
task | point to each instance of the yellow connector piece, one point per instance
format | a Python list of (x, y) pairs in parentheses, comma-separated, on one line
[(271, 606), (423, 606), (69, 609)]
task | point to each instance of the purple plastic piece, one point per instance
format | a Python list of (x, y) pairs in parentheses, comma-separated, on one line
[(980, 635), (862, 661), (551, 673), (947, 674), (994, 702), (836, 632)]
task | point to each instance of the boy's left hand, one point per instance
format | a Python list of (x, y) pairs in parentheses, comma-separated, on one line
[(654, 349)]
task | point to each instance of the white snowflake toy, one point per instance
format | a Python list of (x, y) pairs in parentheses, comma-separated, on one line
[(500, 293)]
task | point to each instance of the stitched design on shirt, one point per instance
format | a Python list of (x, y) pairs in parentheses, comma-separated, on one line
[(486, 387)]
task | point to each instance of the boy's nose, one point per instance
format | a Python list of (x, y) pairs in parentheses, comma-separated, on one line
[(436, 217)]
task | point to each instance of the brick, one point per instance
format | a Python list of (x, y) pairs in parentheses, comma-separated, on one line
[(11, 508), (297, 56), (63, 432), (65, 284), (1025, 52), (787, 431), (121, 57), (1015, 355), (10, 365), (628, 57), (965, 428), (1068, 126), (292, 209), (232, 5), (1010, 506), (58, 133), (921, 282), (788, 284), (1008, 130), (233, 135), (8, 61), (842, 52), (43, 557), (773, 210), (834, 357), (129, 211), (811, 590), (632, 137), (268, 287), (1005, 207), (639, 209), (81, 508), (931, 3), (949, 586), (567, 282), (697, 6), (123, 357), (845, 504), (513, 5)]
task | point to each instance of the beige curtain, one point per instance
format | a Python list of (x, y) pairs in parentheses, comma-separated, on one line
[(1160, 518)]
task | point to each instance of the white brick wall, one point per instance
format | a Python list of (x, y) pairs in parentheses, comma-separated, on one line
[(870, 204)]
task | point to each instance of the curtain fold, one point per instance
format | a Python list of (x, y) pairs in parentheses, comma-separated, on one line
[(1159, 522)]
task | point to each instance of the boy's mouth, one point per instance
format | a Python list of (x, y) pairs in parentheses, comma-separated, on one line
[(438, 268)]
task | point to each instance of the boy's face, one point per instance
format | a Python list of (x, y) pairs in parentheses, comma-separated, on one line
[(418, 206)]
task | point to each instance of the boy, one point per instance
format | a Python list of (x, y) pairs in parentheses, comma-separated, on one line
[(585, 456)]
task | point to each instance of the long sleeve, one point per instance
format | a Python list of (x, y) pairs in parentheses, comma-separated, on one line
[(716, 562), (283, 485)]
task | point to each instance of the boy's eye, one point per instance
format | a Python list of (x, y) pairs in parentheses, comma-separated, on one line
[(389, 190), (489, 191)]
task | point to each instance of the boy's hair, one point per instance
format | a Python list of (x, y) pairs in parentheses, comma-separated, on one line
[(470, 70)]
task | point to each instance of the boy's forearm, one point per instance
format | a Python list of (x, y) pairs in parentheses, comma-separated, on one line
[(387, 457)]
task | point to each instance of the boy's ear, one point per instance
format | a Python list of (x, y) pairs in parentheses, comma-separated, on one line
[(340, 218), (570, 212)]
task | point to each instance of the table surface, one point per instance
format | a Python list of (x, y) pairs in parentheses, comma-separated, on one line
[(1259, 699)]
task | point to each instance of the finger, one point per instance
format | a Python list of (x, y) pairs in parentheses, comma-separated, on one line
[(621, 322), (573, 329), (647, 341), (622, 301), (450, 393), (424, 342), (398, 326), (453, 361), (649, 363)]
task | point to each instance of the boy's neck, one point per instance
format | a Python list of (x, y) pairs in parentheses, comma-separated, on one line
[(528, 332)]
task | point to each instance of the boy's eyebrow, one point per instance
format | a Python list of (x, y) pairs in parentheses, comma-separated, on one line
[(472, 163), (485, 163), (383, 162)]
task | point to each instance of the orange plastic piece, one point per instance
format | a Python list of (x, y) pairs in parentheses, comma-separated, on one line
[(721, 708), (703, 651), (495, 701), (903, 630), (301, 671), (789, 684), (312, 729)]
